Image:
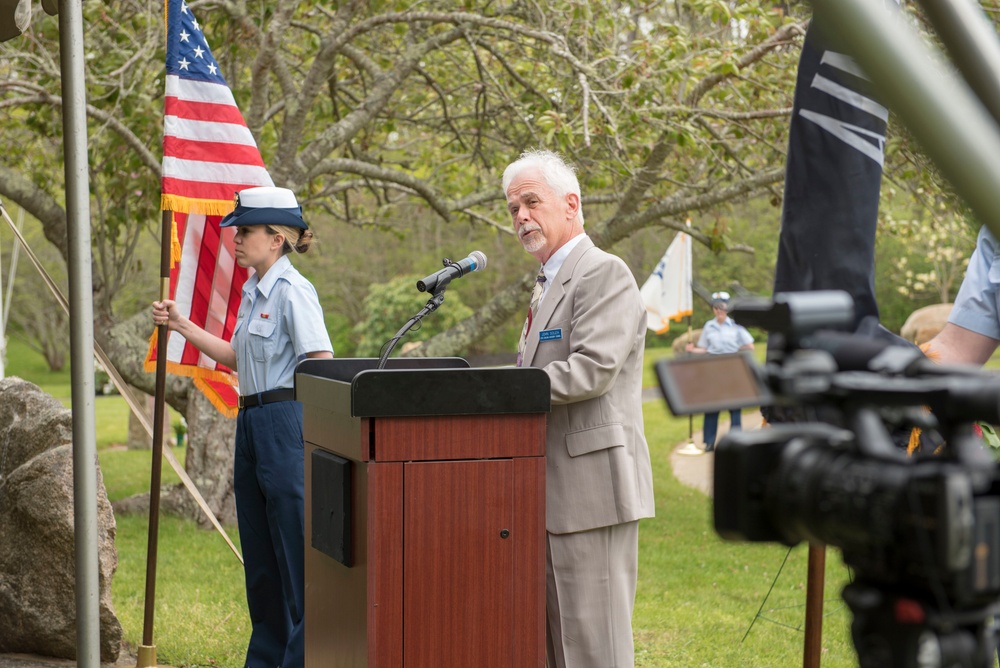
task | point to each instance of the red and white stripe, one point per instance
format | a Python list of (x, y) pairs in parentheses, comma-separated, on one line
[(208, 151), (206, 285), (208, 155)]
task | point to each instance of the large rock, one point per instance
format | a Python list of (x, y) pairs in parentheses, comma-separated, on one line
[(37, 552), (680, 343), (925, 323)]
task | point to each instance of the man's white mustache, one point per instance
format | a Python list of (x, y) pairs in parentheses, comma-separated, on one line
[(528, 229)]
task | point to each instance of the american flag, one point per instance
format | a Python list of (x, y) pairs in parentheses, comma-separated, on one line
[(208, 155)]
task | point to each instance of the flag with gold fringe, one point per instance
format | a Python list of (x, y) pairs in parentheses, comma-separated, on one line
[(666, 294), (208, 155)]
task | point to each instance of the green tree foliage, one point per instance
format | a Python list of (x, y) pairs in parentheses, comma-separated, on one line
[(940, 252), (395, 119), (390, 305), (392, 121), (124, 108)]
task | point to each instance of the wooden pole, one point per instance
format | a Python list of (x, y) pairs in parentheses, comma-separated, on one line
[(690, 417), (147, 651), (815, 580)]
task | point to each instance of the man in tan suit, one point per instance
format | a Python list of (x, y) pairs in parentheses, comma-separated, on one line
[(587, 332)]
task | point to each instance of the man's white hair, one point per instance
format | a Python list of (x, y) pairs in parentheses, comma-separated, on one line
[(556, 172)]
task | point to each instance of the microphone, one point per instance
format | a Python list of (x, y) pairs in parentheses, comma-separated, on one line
[(452, 270)]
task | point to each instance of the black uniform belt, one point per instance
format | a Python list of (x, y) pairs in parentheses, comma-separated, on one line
[(269, 397)]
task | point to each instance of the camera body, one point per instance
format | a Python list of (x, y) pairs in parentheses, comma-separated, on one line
[(922, 532)]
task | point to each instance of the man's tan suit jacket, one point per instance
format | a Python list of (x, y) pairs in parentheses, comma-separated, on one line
[(589, 337)]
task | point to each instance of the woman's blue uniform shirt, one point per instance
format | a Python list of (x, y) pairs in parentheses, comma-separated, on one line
[(725, 338), (279, 321)]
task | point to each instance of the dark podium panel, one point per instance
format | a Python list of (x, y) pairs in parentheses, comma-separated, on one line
[(425, 514)]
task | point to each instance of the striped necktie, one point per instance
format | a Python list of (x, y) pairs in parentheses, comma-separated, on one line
[(536, 296)]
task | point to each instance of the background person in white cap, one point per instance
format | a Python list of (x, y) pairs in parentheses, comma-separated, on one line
[(721, 335), (280, 322)]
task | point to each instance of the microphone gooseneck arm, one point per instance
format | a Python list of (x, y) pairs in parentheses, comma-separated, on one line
[(435, 284), (432, 304)]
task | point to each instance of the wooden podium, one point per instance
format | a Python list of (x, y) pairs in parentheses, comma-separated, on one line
[(425, 514)]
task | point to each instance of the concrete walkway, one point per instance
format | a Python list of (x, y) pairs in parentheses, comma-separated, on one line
[(696, 470)]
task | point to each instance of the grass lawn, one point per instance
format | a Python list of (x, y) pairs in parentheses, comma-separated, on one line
[(696, 606), (698, 596), (200, 617)]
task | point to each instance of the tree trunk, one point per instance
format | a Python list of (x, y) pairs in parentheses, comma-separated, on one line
[(210, 452), (138, 439), (210, 435)]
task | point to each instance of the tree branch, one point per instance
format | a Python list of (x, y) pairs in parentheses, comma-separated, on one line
[(335, 165), (44, 97), (495, 313), (39, 204)]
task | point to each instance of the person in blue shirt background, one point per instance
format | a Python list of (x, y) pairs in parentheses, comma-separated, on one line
[(280, 323), (972, 333), (719, 336)]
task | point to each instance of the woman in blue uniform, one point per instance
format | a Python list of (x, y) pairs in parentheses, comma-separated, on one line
[(280, 323), (719, 336)]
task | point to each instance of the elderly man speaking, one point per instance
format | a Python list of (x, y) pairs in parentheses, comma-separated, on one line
[(586, 328)]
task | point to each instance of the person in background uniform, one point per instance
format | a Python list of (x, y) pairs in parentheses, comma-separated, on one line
[(280, 323), (586, 329), (719, 336)]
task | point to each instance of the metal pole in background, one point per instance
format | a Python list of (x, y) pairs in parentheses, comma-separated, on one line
[(5, 298), (88, 629), (12, 270), (951, 124), (971, 41), (690, 417)]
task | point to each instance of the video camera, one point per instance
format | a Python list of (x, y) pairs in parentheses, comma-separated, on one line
[(921, 532)]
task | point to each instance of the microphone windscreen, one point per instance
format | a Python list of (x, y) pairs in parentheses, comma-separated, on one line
[(479, 258)]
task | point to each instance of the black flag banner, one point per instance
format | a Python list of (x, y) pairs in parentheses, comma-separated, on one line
[(832, 181)]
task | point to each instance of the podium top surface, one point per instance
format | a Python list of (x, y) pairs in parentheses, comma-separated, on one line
[(433, 386)]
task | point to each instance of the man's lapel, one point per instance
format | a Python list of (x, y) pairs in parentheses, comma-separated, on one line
[(557, 291)]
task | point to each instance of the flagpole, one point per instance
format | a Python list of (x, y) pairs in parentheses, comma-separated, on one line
[(147, 651), (688, 269), (690, 417)]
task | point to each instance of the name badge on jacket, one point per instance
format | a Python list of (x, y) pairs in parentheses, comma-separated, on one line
[(550, 335)]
